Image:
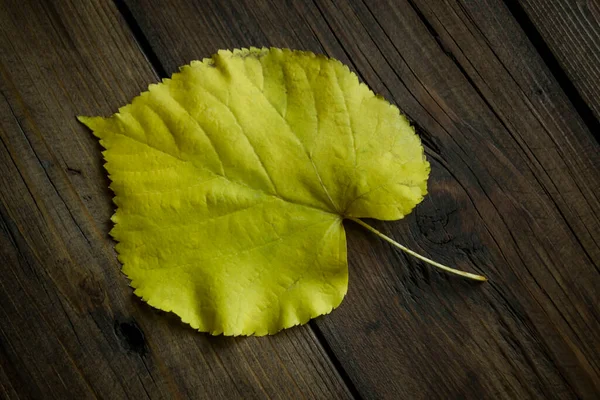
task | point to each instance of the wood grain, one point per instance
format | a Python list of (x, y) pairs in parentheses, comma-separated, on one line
[(70, 326), (571, 30), (513, 194)]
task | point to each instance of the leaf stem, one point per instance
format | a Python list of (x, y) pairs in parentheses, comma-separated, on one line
[(420, 257)]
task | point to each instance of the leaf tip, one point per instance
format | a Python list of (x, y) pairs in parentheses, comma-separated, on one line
[(93, 123)]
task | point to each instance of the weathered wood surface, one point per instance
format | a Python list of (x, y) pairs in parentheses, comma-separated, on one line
[(571, 30), (513, 195)]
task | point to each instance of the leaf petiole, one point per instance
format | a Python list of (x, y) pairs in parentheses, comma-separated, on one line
[(417, 255)]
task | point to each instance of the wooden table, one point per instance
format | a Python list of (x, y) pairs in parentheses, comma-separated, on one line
[(506, 98)]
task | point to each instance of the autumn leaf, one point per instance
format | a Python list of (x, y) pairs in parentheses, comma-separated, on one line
[(232, 180)]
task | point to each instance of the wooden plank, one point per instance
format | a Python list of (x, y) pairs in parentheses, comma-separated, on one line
[(512, 194), (571, 30), (69, 325), (484, 47)]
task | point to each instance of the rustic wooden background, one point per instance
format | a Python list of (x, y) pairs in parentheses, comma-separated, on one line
[(506, 97)]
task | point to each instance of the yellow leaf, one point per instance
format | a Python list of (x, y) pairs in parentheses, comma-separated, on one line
[(233, 177)]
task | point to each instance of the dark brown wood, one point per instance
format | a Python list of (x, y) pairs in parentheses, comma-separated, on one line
[(571, 30), (513, 194), (70, 326)]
